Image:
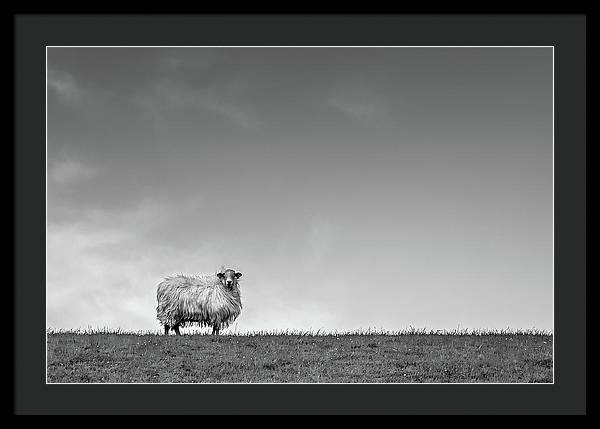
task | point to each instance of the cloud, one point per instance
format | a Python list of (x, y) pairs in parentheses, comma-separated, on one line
[(103, 269), (193, 60), (89, 101), (137, 223), (358, 100), (68, 171), (66, 88), (106, 277), (87, 287), (226, 100)]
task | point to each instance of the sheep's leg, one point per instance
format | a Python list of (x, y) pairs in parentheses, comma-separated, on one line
[(215, 330), (166, 329), (176, 329)]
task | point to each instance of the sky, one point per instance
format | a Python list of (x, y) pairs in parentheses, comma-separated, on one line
[(354, 188)]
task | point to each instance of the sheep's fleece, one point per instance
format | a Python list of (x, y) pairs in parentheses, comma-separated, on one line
[(186, 300)]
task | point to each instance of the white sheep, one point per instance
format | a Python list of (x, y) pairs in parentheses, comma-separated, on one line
[(208, 300)]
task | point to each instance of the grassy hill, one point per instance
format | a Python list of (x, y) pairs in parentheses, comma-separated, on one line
[(263, 357)]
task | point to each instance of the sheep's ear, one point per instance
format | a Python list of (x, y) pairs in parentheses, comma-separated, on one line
[(220, 275), (238, 275)]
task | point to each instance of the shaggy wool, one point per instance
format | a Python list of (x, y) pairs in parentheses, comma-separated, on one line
[(203, 300)]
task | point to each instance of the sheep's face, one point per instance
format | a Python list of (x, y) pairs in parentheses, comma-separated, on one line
[(229, 278)]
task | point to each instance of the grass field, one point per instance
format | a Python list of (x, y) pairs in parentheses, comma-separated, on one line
[(288, 357)]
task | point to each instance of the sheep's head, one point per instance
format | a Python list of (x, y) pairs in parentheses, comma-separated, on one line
[(229, 278)]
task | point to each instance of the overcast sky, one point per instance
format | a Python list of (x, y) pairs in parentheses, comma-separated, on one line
[(352, 187)]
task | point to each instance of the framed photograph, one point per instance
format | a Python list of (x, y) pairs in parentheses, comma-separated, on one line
[(384, 214)]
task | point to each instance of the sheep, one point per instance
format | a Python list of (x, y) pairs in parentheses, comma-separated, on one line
[(208, 300)]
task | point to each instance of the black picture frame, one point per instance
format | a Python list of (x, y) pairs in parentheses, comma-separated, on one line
[(567, 33)]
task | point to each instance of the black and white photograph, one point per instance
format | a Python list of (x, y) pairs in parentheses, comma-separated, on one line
[(299, 214)]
